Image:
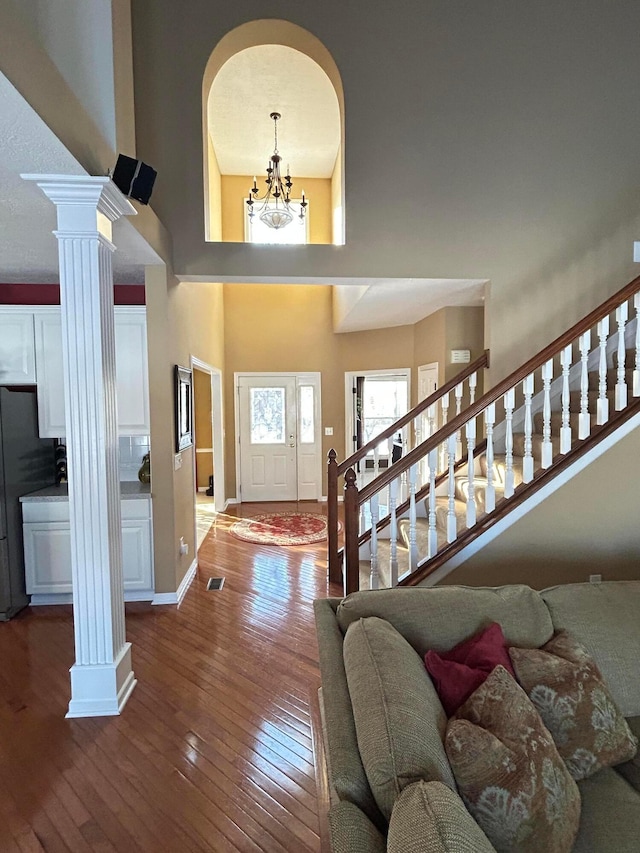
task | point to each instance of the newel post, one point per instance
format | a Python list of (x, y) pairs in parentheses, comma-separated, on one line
[(351, 533), (334, 561)]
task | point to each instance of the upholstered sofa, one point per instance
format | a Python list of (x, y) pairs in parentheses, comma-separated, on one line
[(416, 805)]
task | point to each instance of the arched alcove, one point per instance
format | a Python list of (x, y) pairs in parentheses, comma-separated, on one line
[(257, 68)]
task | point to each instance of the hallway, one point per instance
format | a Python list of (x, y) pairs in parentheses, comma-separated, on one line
[(213, 751)]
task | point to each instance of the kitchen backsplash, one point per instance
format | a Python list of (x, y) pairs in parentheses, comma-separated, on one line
[(132, 449)]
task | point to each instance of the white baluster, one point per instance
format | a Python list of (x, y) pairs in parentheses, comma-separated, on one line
[(509, 478), (452, 528), (489, 421), (433, 531), (473, 383), (376, 461), (622, 314), (584, 421), (417, 429), (393, 532), (374, 580), (471, 487), (636, 370), (444, 405), (565, 429), (431, 420), (547, 446), (603, 400), (413, 540), (527, 461), (458, 391)]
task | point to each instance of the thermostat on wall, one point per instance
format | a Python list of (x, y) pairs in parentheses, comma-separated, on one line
[(460, 356)]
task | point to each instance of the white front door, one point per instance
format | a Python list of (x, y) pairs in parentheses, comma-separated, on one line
[(268, 438)]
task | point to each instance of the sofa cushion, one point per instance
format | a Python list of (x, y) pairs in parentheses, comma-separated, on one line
[(352, 832), (460, 671), (610, 815), (343, 758), (566, 687), (631, 769), (509, 772), (399, 720), (428, 816), (441, 617), (604, 618)]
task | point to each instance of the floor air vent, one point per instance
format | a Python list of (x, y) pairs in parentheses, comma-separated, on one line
[(214, 584)]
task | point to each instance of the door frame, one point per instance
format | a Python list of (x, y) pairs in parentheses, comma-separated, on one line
[(217, 426), (312, 377), (349, 377)]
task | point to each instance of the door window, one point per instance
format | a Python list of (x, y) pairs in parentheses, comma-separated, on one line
[(267, 415)]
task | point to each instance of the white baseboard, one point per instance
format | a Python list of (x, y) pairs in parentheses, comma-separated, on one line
[(231, 502), (44, 599), (177, 596), (202, 488)]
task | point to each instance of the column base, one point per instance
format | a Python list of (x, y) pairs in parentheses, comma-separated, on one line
[(101, 690)]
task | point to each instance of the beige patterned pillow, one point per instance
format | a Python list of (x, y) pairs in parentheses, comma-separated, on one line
[(566, 687), (509, 773)]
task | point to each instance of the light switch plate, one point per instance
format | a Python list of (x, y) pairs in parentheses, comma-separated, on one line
[(177, 462), (328, 430)]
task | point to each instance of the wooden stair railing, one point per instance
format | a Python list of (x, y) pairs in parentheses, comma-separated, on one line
[(439, 399), (592, 370)]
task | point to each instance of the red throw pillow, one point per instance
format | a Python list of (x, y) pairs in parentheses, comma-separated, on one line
[(460, 671)]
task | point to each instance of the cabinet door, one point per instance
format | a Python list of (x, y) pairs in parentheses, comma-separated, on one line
[(132, 372), (132, 381), (48, 328), (136, 555), (17, 353), (47, 557)]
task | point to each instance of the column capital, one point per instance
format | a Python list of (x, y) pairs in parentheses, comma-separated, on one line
[(80, 199)]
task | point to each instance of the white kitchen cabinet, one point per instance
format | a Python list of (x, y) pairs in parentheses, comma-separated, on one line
[(132, 375), (47, 550), (17, 351)]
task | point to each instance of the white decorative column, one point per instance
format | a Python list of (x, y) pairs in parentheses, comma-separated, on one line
[(102, 678)]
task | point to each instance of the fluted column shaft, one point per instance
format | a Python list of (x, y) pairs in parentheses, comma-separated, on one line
[(102, 676)]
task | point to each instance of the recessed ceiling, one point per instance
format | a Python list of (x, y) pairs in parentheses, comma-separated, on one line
[(261, 80)]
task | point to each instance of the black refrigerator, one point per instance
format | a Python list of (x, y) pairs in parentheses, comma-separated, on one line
[(27, 463)]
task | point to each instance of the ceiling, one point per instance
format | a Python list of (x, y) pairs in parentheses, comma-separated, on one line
[(28, 249), (402, 302), (261, 80)]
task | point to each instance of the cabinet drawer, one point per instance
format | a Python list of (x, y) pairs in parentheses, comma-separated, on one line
[(45, 511)]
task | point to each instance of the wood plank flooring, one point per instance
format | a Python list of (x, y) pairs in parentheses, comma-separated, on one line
[(213, 751)]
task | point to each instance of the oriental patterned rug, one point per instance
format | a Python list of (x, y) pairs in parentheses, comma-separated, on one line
[(282, 528)]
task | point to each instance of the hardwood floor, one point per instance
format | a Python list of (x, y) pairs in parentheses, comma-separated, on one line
[(213, 751)]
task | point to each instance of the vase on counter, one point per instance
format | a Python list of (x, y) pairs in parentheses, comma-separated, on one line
[(144, 474)]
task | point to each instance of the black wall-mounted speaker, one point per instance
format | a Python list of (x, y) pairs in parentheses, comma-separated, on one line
[(134, 178)]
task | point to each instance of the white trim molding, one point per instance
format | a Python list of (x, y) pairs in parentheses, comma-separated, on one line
[(177, 596)]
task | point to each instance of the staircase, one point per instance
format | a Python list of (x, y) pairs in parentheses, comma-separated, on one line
[(465, 474)]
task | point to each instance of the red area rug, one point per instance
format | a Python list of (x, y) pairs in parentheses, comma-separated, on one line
[(282, 528)]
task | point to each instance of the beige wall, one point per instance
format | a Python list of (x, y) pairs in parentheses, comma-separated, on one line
[(279, 328), (589, 526), (213, 211), (183, 320), (234, 189), (273, 328)]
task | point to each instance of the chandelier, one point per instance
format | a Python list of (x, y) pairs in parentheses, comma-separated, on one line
[(275, 208)]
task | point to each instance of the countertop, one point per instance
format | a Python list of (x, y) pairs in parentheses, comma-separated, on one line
[(129, 490)]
